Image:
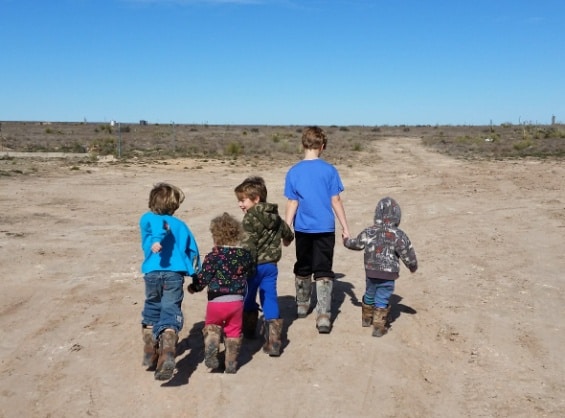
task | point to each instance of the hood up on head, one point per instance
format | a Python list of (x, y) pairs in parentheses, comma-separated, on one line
[(387, 212)]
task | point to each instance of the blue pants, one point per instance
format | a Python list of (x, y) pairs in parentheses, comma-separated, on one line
[(265, 282), (378, 292), (163, 298)]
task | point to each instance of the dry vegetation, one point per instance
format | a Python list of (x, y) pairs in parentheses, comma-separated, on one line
[(476, 332), (347, 143)]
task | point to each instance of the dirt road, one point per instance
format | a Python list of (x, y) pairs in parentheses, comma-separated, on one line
[(476, 332)]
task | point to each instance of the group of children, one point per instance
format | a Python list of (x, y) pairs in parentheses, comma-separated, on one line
[(244, 257)]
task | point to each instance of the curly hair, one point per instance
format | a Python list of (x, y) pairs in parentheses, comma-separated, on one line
[(226, 230), (165, 199)]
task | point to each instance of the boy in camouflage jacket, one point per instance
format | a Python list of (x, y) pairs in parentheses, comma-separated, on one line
[(264, 230), (385, 244)]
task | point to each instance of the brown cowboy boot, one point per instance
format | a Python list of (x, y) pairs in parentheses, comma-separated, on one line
[(303, 286), (272, 333), (212, 339), (380, 321), (366, 314), (324, 286), (150, 347), (167, 352), (233, 346), (250, 323)]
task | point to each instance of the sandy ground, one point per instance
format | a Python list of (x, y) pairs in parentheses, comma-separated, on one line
[(476, 332)]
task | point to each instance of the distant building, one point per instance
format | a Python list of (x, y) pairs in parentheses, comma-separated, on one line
[(143, 122)]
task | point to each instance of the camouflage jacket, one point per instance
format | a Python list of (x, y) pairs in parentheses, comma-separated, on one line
[(264, 229), (385, 243)]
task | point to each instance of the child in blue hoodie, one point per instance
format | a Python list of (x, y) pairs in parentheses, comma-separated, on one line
[(385, 244), (170, 253)]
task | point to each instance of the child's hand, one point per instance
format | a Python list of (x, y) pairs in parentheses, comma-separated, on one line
[(190, 289), (286, 242), (156, 247)]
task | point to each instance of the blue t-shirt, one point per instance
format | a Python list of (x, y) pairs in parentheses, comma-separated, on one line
[(313, 183), (179, 249)]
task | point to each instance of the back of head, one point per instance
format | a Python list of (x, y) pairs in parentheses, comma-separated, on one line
[(252, 187), (314, 137), (226, 230), (387, 212), (165, 199)]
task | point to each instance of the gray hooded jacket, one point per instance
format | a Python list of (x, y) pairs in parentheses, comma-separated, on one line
[(385, 243)]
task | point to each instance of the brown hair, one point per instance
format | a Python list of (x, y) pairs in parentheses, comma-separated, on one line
[(226, 230), (165, 199), (314, 137), (252, 187)]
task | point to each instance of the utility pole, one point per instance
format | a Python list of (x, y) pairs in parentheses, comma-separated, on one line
[(119, 140)]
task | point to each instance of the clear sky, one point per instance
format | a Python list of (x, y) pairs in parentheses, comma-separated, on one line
[(283, 62)]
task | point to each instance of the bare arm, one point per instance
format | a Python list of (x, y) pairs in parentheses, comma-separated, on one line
[(339, 210), (290, 211)]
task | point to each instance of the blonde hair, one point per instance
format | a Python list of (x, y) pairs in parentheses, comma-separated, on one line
[(252, 187), (226, 230), (165, 199), (314, 137)]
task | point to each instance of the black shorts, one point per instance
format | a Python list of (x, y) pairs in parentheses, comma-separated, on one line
[(314, 254)]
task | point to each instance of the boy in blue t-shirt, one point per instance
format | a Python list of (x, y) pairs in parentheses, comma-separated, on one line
[(313, 189), (170, 253)]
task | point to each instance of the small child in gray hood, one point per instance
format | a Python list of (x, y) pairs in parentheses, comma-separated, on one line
[(385, 244)]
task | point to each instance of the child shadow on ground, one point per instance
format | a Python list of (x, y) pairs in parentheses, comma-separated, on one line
[(397, 308), (194, 344), (341, 290)]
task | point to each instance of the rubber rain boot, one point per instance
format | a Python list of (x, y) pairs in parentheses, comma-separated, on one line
[(324, 288), (303, 292), (167, 352), (212, 338), (233, 347), (380, 321)]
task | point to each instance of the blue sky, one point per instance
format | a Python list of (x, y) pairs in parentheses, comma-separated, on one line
[(283, 62)]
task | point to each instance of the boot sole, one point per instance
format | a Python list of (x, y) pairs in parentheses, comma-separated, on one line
[(378, 333), (212, 363), (323, 329), (273, 351), (166, 371)]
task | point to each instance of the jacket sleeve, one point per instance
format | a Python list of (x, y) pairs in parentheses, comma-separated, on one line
[(201, 279), (286, 232), (406, 252), (356, 243)]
